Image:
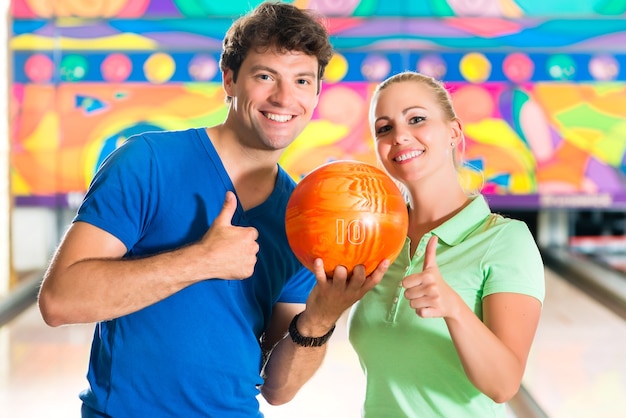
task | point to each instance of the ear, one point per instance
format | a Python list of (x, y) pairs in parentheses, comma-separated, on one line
[(227, 82), (456, 134)]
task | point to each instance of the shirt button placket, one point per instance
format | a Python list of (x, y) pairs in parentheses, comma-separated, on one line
[(393, 309)]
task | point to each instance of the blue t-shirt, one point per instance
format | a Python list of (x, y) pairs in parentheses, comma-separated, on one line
[(195, 353)]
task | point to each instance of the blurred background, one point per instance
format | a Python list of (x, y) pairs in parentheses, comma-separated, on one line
[(541, 89)]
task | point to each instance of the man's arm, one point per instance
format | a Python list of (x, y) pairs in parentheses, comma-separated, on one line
[(88, 280), (291, 365)]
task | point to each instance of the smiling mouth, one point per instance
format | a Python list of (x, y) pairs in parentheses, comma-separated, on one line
[(278, 118), (408, 156)]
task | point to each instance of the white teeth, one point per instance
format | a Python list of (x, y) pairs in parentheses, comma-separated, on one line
[(411, 154), (278, 118)]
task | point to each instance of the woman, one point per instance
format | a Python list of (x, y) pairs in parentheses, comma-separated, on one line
[(447, 331)]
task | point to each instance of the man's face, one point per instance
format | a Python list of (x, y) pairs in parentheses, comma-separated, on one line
[(273, 98)]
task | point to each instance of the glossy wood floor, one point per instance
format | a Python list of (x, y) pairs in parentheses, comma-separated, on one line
[(577, 367)]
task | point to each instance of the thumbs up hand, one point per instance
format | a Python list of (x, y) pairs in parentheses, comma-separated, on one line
[(230, 251), (427, 292)]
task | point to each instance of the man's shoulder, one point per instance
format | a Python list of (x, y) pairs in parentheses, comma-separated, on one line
[(166, 135), (159, 142)]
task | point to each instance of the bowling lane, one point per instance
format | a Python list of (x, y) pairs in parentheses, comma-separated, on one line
[(577, 367), (42, 369)]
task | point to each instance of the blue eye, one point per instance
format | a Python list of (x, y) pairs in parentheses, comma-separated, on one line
[(416, 119)]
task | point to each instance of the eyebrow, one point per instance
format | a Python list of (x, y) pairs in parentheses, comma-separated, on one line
[(405, 111)]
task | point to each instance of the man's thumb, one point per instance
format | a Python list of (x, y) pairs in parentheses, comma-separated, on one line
[(228, 210)]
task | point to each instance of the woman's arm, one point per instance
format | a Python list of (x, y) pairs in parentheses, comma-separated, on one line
[(494, 352)]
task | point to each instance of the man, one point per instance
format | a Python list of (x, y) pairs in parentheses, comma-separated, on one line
[(179, 251)]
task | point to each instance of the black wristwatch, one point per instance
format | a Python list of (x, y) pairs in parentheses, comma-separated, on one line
[(303, 341)]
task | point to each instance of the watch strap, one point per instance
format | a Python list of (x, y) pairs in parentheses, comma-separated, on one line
[(303, 341)]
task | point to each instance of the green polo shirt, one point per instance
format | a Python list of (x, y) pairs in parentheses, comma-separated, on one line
[(411, 365)]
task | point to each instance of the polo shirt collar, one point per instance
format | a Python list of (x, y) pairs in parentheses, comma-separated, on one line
[(456, 229)]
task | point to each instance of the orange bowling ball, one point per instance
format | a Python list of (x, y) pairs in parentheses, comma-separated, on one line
[(346, 213)]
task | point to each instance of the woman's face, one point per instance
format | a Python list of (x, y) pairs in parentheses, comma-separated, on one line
[(414, 139)]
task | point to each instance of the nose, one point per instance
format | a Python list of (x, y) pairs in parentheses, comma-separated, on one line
[(283, 93), (401, 135)]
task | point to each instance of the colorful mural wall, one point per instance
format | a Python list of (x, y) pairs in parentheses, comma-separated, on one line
[(540, 87)]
